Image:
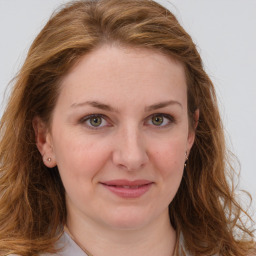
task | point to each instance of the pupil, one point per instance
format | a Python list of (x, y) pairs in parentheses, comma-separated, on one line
[(157, 120), (95, 121)]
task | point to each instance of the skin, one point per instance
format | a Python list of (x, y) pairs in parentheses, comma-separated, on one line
[(130, 86)]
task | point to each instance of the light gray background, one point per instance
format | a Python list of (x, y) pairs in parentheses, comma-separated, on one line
[(225, 32)]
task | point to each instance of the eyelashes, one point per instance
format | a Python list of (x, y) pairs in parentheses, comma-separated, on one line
[(99, 121), (160, 120), (95, 121)]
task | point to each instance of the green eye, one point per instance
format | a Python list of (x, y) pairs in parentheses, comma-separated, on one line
[(95, 121), (160, 120), (157, 120)]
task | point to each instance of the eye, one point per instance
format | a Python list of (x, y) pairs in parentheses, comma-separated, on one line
[(160, 120), (157, 120), (95, 121)]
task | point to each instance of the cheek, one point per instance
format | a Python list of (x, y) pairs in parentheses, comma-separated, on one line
[(169, 163), (79, 156), (168, 160), (169, 157)]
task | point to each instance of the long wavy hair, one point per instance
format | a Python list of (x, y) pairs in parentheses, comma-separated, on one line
[(32, 197)]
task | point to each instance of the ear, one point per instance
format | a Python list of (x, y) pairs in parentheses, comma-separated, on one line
[(44, 142), (192, 131)]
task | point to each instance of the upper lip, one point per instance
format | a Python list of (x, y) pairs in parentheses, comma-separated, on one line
[(126, 182)]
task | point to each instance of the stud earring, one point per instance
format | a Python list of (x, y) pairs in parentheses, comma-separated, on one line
[(49, 159), (186, 154)]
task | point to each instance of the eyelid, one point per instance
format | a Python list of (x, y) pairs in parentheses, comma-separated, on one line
[(84, 119), (170, 118)]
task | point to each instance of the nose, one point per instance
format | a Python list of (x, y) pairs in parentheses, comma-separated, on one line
[(129, 150)]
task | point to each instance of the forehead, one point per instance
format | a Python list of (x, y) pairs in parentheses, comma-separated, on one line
[(111, 71), (112, 56)]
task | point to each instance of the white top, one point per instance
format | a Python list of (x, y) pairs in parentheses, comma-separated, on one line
[(70, 248)]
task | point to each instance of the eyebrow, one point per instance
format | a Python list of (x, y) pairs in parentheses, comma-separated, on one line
[(94, 104), (106, 107), (162, 105)]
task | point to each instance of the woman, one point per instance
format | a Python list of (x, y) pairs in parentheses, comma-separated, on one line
[(112, 143)]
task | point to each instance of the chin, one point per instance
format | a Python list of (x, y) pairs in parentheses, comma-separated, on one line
[(127, 220), (127, 225)]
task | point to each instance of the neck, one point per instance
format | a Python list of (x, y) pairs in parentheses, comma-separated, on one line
[(154, 239)]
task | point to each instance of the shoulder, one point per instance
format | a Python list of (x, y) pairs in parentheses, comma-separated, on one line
[(67, 247)]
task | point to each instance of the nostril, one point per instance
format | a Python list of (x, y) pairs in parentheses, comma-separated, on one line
[(130, 153)]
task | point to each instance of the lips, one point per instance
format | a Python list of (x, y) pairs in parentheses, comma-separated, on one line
[(128, 189)]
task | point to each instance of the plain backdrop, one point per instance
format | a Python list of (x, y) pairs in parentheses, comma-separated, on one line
[(225, 34)]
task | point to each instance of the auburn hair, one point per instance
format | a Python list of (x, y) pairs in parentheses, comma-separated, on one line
[(32, 197)]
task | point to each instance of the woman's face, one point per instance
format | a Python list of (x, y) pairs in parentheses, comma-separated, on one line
[(119, 136)]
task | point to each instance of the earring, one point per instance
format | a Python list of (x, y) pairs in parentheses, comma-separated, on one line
[(49, 159), (186, 154)]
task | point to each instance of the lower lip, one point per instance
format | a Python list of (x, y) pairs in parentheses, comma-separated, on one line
[(129, 192)]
